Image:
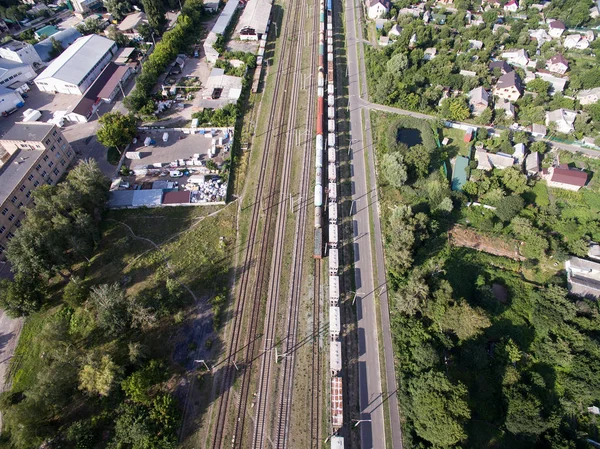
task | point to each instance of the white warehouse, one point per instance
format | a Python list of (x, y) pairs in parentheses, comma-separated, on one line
[(78, 67)]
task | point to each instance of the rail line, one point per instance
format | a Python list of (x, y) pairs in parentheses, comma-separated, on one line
[(251, 264), (316, 403), (273, 296), (287, 371)]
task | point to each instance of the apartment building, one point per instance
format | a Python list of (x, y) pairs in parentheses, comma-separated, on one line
[(38, 154)]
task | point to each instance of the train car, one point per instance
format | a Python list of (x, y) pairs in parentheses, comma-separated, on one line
[(331, 156), (332, 191), (331, 139), (320, 92), (331, 173), (330, 25), (318, 217), (331, 113), (330, 34), (320, 117), (330, 40), (330, 50), (337, 403), (321, 78), (318, 196), (333, 236), (337, 442), (335, 324), (331, 126), (335, 357), (334, 265), (330, 88), (319, 151), (319, 176), (318, 248), (330, 74), (332, 213), (329, 5), (330, 100)]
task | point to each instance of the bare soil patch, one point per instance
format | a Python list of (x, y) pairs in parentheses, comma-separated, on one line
[(466, 237)]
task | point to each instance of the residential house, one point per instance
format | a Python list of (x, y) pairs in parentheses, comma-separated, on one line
[(508, 87), (558, 84), (468, 73), (541, 36), (429, 53), (556, 28), (576, 41), (384, 41), (427, 16), (479, 100), (506, 106), (519, 153), (537, 130), (511, 6), (565, 177), (516, 56), (589, 96), (564, 120), (594, 12), (410, 12), (532, 164), (590, 36), (583, 277), (502, 65), (475, 44), (487, 161), (394, 31), (558, 64), (377, 8), (501, 27)]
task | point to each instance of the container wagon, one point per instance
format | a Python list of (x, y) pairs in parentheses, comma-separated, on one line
[(333, 236), (318, 248)]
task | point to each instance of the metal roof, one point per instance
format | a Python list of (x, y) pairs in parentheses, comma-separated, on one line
[(120, 198), (30, 132), (78, 60), (225, 17), (15, 169), (337, 402), (104, 80), (65, 37), (337, 442), (335, 325), (256, 15), (335, 355), (177, 197), (150, 197), (7, 64), (566, 175)]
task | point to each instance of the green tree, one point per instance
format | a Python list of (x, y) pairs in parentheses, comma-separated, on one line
[(56, 49), (138, 384), (514, 180), (539, 86), (117, 8), (113, 33), (524, 416), (455, 109), (91, 25), (75, 292), (397, 64), (464, 320), (99, 376), (509, 207), (111, 308), (439, 409), (539, 146), (393, 170), (418, 157), (22, 296), (117, 130), (155, 12)]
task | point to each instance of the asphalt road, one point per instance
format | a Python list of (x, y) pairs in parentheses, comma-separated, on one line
[(373, 400)]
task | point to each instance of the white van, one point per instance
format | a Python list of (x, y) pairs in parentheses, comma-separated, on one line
[(165, 137)]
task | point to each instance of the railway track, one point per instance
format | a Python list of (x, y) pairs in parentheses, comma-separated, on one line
[(253, 263), (286, 375), (315, 410)]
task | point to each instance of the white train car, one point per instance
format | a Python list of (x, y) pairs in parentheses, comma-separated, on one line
[(331, 113), (334, 287), (332, 212), (333, 235), (337, 442), (331, 139), (335, 357), (332, 191), (330, 89), (319, 176), (334, 265), (331, 173), (331, 156), (330, 100), (335, 323), (318, 196), (331, 123), (319, 151)]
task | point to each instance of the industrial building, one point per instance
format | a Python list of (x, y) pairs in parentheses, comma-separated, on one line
[(220, 90), (9, 99), (12, 72), (130, 24), (255, 19), (74, 71), (104, 89), (84, 6), (36, 154), (64, 37), (219, 28), (18, 51)]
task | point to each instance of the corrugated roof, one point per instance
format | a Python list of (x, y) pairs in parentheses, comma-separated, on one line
[(256, 15), (570, 176), (113, 81), (91, 95), (65, 37), (78, 60), (150, 197), (120, 198), (335, 355)]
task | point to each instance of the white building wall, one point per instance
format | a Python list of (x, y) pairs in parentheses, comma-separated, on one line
[(9, 101), (23, 74), (26, 55)]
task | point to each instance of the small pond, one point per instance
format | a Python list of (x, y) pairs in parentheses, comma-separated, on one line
[(409, 136)]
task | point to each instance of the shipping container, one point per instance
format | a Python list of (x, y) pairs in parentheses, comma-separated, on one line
[(330, 26), (330, 41), (331, 139), (330, 100), (331, 113), (330, 89), (331, 126), (335, 323), (318, 247), (330, 50), (334, 282), (318, 196)]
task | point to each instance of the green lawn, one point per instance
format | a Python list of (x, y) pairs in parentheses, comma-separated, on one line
[(456, 142)]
